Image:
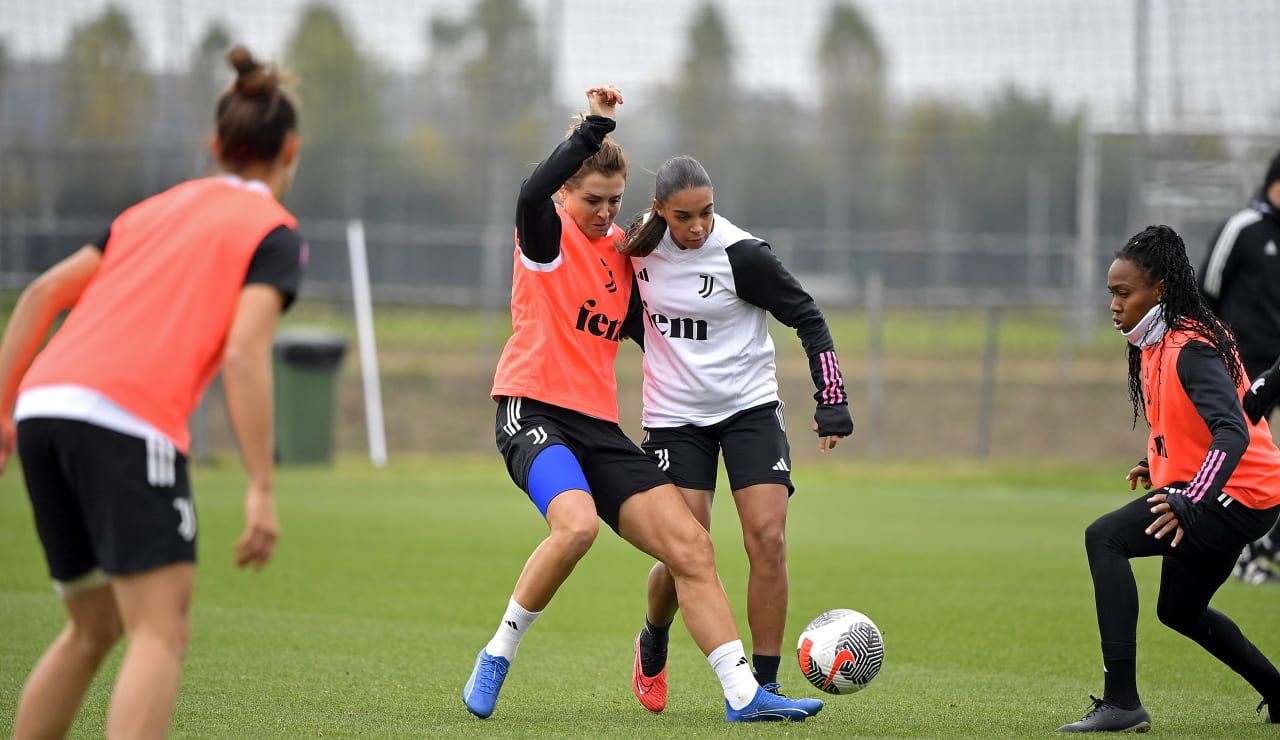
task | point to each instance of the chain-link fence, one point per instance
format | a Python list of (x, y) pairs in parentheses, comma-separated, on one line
[(991, 154)]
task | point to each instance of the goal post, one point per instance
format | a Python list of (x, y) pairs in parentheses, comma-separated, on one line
[(362, 299)]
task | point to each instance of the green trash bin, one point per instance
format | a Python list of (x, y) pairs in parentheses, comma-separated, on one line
[(305, 367)]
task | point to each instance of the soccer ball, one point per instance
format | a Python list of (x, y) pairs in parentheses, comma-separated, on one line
[(840, 651)]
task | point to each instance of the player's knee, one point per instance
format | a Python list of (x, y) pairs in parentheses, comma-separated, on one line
[(1176, 618), (178, 637), (96, 636), (692, 555), (766, 547), (576, 536), (171, 632), (1097, 536)]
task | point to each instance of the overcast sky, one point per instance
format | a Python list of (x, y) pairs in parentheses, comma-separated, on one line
[(1212, 63)]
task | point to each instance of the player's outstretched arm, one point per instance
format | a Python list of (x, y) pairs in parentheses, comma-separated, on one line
[(246, 374), (53, 292), (537, 224)]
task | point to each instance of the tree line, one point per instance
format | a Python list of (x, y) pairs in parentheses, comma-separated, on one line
[(449, 143)]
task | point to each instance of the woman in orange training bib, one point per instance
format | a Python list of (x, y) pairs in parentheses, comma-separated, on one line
[(557, 421), (182, 284), (1216, 480)]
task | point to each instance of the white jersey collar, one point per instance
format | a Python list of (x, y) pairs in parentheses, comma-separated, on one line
[(256, 186)]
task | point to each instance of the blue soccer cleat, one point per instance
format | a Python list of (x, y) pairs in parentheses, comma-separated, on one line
[(767, 707), (481, 691)]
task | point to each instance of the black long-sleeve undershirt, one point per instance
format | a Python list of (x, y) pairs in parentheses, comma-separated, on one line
[(1207, 384), (537, 224), (761, 279)]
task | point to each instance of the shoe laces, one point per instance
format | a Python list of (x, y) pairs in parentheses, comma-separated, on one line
[(491, 675), (774, 688), (1098, 706)]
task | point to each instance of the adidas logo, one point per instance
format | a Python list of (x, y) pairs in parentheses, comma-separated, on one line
[(643, 275), (741, 661), (782, 465), (512, 624)]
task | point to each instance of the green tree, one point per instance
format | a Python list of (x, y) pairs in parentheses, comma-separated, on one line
[(493, 76), (1030, 167), (207, 76), (706, 97), (4, 69), (12, 194), (341, 116), (935, 156), (938, 159), (781, 183), (106, 101), (851, 68)]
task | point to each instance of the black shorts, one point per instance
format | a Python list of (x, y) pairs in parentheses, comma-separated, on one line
[(1223, 525), (1218, 529), (614, 466), (754, 443), (106, 500)]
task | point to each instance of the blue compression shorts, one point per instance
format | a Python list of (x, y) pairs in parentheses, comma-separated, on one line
[(554, 471)]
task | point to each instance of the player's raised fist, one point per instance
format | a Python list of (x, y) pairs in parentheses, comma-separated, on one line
[(604, 100)]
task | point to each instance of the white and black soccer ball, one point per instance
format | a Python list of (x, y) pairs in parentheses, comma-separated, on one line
[(840, 651)]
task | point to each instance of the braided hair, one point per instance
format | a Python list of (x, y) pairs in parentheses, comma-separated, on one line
[(1160, 253)]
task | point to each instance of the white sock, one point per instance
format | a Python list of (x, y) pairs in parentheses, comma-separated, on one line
[(517, 621), (734, 670)]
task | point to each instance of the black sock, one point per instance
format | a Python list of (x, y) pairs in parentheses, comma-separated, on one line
[(766, 668), (1120, 686), (653, 647)]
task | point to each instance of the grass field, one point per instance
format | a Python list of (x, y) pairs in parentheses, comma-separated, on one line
[(387, 582)]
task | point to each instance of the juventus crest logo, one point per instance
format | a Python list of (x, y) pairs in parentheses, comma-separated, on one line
[(707, 283), (612, 285)]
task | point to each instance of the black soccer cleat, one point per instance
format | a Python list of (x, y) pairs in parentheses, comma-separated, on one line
[(1268, 717), (1106, 717)]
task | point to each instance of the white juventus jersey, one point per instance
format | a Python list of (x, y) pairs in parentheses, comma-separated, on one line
[(707, 349)]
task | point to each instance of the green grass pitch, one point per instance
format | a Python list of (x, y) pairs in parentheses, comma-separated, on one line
[(386, 583)]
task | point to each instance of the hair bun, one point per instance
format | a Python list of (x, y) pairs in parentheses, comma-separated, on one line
[(253, 79), (242, 61)]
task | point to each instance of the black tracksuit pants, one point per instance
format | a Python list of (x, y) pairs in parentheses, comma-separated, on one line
[(1190, 575)]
